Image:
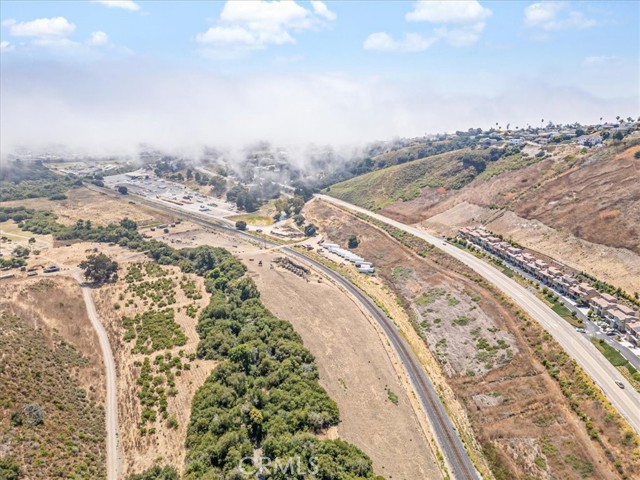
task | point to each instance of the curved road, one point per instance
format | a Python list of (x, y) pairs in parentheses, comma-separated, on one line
[(111, 402), (447, 437), (626, 401)]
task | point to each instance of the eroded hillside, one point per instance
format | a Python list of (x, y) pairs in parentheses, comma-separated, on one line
[(565, 196)]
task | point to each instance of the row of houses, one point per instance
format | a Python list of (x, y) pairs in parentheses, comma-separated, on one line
[(607, 307)]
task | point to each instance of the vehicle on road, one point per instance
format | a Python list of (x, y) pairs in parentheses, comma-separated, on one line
[(619, 383)]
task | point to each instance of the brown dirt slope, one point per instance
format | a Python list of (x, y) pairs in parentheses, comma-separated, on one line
[(594, 196), (49, 359), (517, 410), (599, 201)]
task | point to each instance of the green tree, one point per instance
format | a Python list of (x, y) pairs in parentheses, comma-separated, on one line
[(299, 219), (156, 473), (310, 230), (99, 268), (123, 190), (189, 174), (241, 225), (9, 469), (21, 251), (353, 242), (125, 222), (218, 185)]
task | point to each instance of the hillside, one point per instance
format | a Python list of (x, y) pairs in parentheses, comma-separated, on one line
[(443, 172), (51, 399), (573, 195)]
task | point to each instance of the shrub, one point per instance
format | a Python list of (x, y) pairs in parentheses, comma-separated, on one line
[(310, 230), (58, 196)]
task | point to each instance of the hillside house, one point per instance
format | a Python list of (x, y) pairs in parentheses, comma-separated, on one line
[(633, 332)]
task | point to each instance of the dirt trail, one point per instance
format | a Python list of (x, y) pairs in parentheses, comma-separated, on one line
[(111, 401)]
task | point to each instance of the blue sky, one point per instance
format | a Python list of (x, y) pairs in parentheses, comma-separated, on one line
[(406, 67)]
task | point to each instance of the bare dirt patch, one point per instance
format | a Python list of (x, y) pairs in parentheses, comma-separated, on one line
[(100, 208), (526, 389)]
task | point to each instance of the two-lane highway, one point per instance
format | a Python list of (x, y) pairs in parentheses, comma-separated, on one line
[(626, 401)]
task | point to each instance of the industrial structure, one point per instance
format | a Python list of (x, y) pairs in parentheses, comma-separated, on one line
[(360, 263)]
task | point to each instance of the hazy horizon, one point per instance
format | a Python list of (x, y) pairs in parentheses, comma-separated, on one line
[(305, 73)]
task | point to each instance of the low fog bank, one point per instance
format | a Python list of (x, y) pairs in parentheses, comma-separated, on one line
[(114, 109)]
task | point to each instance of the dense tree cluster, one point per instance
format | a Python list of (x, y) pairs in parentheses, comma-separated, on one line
[(20, 180), (243, 198), (12, 262), (288, 205), (156, 473), (265, 391)]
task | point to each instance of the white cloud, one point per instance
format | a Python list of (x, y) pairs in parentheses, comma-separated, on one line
[(40, 27), (98, 39), (461, 37), (460, 11), (554, 16), (5, 46), (53, 36), (123, 4), (255, 24), (459, 23), (383, 42), (321, 9)]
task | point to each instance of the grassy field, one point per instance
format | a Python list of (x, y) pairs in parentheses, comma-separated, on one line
[(380, 188), (561, 310), (253, 219), (618, 361), (11, 230), (451, 171)]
